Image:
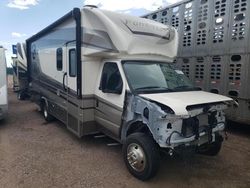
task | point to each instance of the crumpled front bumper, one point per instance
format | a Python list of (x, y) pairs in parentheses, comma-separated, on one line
[(203, 137)]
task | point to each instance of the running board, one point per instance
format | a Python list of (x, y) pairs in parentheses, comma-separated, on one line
[(113, 144), (100, 136), (110, 144)]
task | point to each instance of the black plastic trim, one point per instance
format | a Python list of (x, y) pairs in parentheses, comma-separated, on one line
[(77, 17)]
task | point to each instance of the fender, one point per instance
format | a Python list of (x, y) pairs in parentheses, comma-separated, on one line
[(138, 109)]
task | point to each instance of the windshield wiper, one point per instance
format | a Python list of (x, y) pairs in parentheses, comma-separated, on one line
[(153, 87), (187, 88)]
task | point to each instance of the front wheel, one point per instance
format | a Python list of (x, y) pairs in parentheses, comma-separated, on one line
[(141, 156)]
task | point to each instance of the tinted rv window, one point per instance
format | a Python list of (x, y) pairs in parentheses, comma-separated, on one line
[(59, 59), (72, 62)]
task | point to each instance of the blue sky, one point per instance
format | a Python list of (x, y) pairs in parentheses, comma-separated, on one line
[(20, 19)]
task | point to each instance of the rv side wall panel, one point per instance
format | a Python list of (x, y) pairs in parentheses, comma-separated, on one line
[(43, 54)]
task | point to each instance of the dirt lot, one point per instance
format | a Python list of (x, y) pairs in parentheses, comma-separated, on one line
[(36, 154)]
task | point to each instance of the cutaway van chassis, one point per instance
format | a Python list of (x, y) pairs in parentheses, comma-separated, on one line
[(146, 127), (140, 124)]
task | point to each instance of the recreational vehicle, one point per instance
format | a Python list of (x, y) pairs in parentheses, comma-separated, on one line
[(100, 71), (3, 84), (20, 79), (15, 74)]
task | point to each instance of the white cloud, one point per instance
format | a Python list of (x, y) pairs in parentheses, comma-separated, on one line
[(121, 5), (22, 4), (18, 35)]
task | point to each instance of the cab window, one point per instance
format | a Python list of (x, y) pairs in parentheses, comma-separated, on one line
[(111, 80)]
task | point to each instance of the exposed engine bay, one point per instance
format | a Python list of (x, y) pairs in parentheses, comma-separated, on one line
[(170, 130)]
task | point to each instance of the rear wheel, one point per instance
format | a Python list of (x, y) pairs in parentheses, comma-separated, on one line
[(47, 116), (141, 156), (213, 148)]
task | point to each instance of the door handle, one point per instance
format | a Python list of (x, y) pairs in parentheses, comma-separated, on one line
[(64, 87)]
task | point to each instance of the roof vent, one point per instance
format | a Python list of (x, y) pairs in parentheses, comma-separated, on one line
[(90, 6)]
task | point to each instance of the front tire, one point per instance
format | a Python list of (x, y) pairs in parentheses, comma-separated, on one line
[(141, 156)]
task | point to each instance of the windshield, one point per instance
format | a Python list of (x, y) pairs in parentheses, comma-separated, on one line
[(152, 77)]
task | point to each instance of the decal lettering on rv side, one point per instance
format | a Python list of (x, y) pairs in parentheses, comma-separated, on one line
[(143, 28)]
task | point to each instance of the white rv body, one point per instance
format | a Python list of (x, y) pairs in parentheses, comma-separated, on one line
[(3, 85), (84, 69)]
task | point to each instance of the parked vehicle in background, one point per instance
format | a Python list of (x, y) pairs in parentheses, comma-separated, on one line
[(3, 85), (214, 47), (20, 78), (15, 74), (100, 71)]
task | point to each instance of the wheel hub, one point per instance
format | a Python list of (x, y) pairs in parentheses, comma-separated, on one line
[(136, 157)]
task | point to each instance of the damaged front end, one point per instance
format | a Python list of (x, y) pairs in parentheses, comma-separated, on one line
[(198, 126)]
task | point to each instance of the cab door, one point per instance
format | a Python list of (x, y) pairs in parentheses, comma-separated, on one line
[(110, 94)]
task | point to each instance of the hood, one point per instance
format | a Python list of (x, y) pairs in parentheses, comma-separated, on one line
[(178, 101)]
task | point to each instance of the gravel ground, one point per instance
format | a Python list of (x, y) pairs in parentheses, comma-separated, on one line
[(36, 154)]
